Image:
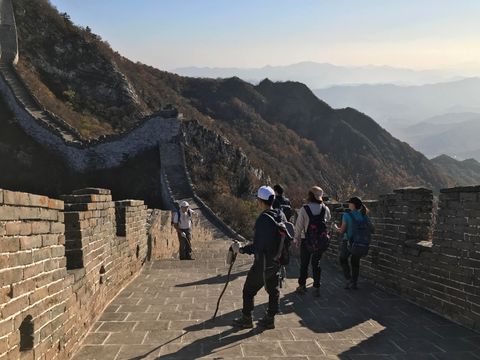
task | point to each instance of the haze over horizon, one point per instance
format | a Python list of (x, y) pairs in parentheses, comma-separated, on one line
[(428, 35)]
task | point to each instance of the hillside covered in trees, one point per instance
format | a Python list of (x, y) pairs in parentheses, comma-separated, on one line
[(283, 128)]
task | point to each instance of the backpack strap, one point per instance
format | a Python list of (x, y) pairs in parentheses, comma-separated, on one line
[(309, 211), (310, 214), (271, 218), (323, 211)]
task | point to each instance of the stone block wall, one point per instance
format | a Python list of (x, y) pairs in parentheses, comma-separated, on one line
[(33, 276), (430, 259), (162, 236), (132, 224), (59, 269)]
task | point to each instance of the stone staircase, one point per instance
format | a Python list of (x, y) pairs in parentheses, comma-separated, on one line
[(172, 161), (9, 52)]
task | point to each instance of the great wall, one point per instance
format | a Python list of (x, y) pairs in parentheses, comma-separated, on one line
[(64, 261)]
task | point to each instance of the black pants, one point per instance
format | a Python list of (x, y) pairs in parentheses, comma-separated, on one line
[(262, 276), (306, 257), (354, 260), (185, 244)]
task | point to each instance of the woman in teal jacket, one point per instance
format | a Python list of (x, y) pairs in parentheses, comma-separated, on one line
[(358, 211)]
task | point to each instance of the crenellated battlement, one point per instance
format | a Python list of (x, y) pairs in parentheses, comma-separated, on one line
[(427, 253), (62, 262)]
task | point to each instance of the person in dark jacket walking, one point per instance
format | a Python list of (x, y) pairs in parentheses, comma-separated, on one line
[(265, 268), (281, 202)]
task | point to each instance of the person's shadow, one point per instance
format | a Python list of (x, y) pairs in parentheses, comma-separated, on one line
[(303, 306), (366, 321)]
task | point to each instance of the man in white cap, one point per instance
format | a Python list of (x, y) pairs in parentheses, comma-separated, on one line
[(265, 268), (182, 221)]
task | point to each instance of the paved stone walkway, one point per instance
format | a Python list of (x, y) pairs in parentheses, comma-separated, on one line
[(165, 314)]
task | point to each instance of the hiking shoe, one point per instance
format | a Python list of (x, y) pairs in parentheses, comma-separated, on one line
[(243, 322), (301, 289), (354, 286), (316, 292), (267, 322)]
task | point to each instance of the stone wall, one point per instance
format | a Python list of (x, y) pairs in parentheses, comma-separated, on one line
[(100, 156), (431, 259), (59, 269), (162, 236), (34, 284)]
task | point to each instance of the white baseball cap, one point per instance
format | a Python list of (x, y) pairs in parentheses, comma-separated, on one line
[(184, 204), (264, 192)]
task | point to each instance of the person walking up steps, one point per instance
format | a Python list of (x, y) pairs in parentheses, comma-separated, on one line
[(182, 221), (266, 265), (356, 229), (312, 236)]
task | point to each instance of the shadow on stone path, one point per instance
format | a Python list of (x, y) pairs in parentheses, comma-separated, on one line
[(165, 314)]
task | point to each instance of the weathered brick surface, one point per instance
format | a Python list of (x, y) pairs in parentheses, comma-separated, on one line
[(429, 257), (37, 242)]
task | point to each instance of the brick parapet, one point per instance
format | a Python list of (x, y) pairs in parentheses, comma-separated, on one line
[(33, 266), (431, 260)]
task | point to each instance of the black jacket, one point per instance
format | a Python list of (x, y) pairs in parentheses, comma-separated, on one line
[(279, 201), (266, 239)]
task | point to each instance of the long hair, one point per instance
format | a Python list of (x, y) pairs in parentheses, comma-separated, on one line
[(364, 210), (311, 198)]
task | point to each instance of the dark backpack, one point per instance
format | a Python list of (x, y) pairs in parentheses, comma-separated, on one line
[(283, 204), (284, 232), (287, 210), (359, 243), (317, 238)]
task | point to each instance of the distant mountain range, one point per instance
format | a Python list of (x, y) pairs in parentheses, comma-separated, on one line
[(396, 106), (466, 172), (458, 137), (319, 75), (283, 129)]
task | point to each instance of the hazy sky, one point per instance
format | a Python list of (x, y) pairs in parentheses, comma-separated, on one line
[(252, 33)]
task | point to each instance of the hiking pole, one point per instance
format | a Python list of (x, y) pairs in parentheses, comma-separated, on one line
[(231, 257)]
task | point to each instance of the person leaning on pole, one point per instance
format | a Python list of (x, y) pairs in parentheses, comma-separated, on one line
[(266, 265), (182, 221)]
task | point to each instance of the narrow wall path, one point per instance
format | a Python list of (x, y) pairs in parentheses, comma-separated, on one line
[(165, 314)]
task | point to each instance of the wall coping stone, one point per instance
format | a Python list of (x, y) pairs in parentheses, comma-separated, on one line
[(468, 189), (92, 191), (129, 202), (411, 189)]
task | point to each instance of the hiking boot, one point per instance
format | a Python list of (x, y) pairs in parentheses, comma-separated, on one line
[(301, 289), (267, 322), (243, 322), (316, 292)]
